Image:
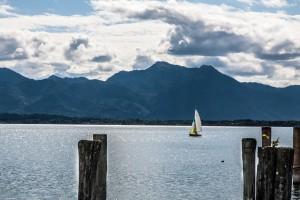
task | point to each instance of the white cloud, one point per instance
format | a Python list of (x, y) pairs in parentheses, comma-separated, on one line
[(275, 3), (267, 3), (6, 10)]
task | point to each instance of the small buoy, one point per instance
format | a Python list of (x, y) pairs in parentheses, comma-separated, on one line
[(222, 161)]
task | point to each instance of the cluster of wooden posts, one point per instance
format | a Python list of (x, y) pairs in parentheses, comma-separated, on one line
[(278, 167)]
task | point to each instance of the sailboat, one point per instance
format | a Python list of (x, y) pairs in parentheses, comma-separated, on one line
[(196, 125)]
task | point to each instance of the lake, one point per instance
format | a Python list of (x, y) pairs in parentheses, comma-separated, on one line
[(144, 162)]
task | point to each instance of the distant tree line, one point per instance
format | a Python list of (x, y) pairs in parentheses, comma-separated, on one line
[(57, 119)]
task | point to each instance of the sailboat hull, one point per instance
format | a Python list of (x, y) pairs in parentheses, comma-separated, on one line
[(195, 135)]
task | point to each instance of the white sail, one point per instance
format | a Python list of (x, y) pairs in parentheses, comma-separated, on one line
[(193, 129), (198, 122)]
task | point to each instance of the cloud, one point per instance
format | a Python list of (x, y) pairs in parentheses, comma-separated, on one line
[(76, 47), (40, 48), (91, 73), (60, 68), (6, 10), (142, 61), (75, 44), (285, 50), (194, 37), (102, 58), (198, 62), (191, 37), (103, 68), (267, 3), (11, 49), (34, 70)]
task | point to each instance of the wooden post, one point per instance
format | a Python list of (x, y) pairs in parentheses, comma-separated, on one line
[(248, 156), (284, 171), (103, 139), (296, 146), (92, 181), (103, 159), (266, 136), (266, 172)]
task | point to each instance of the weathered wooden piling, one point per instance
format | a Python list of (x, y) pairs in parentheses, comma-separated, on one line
[(248, 156), (266, 136), (92, 170), (266, 172), (284, 171), (103, 139), (296, 146), (103, 160)]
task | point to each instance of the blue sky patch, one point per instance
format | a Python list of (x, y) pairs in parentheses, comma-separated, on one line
[(60, 7), (82, 7)]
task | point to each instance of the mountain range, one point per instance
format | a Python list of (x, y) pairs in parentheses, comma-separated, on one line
[(163, 91)]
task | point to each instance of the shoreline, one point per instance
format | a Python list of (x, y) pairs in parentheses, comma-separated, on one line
[(63, 120)]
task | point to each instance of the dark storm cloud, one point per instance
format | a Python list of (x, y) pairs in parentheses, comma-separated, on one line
[(11, 49), (102, 58), (74, 46)]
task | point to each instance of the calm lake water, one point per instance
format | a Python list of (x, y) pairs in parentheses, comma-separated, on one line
[(144, 162)]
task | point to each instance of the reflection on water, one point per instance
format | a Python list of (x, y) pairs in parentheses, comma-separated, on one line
[(296, 191)]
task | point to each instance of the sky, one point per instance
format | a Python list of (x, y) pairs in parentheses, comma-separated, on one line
[(250, 40)]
